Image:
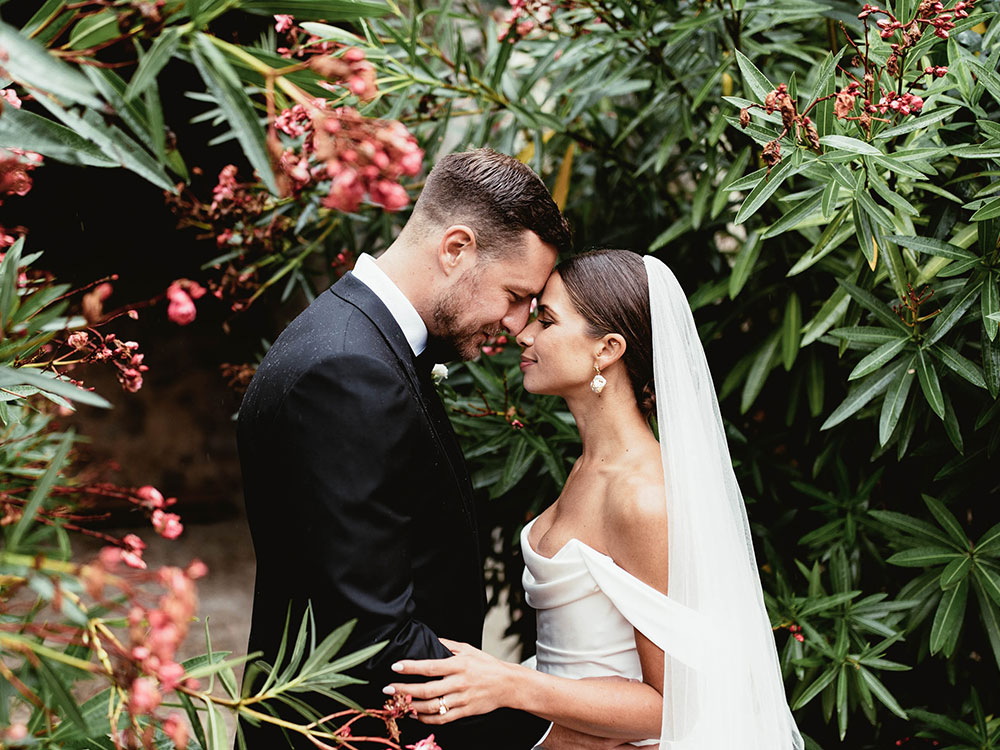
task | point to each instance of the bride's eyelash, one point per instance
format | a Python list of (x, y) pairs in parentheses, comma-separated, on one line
[(545, 323)]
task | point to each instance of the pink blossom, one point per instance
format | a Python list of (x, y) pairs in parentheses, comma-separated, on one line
[(167, 525), (346, 191), (175, 728), (131, 379), (427, 743), (10, 96), (170, 674), (181, 309), (196, 569), (389, 194), (150, 497), (283, 23), (78, 340), (144, 697), (16, 733)]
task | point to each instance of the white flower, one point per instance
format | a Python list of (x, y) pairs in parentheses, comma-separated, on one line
[(439, 372)]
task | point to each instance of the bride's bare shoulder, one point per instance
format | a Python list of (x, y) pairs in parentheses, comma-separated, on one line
[(635, 520)]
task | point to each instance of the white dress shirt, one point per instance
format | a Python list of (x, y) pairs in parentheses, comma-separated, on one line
[(366, 270)]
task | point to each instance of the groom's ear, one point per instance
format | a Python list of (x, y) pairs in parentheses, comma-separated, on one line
[(457, 250), (611, 349)]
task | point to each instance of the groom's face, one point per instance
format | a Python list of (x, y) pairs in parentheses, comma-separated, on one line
[(492, 296)]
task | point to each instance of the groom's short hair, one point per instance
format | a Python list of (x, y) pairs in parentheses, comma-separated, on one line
[(497, 196)]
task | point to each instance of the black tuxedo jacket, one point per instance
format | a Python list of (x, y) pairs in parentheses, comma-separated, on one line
[(359, 501)]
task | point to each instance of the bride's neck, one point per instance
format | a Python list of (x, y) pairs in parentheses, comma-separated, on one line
[(609, 424)]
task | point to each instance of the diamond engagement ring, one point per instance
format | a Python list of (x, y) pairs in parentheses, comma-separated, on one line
[(442, 706)]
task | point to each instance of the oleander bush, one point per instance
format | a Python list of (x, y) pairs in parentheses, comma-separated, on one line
[(821, 176)]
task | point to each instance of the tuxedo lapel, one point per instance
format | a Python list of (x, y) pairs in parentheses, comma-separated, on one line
[(357, 293)]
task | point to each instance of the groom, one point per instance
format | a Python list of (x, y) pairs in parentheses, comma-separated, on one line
[(356, 491)]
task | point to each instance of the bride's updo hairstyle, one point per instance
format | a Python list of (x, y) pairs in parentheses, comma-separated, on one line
[(610, 290)]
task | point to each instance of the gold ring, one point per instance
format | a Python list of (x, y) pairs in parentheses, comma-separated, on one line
[(442, 706)]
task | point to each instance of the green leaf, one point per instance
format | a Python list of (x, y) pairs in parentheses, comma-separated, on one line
[(29, 63), (20, 128), (49, 383), (878, 358), (923, 557), (225, 87), (873, 304), (94, 29), (916, 123), (671, 233), (990, 210), (882, 693), (815, 688), (990, 306), (764, 190), (756, 81), (861, 394), (759, 370), (317, 10), (865, 334), (9, 271), (153, 62), (929, 383), (790, 219), (989, 543), (216, 734), (949, 618), (956, 571), (328, 647), (947, 521), (959, 364), (744, 264), (61, 694), (895, 401), (953, 311), (931, 246), (850, 145), (791, 331), (989, 614), (40, 491)]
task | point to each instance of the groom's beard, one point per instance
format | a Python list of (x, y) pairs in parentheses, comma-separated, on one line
[(450, 337)]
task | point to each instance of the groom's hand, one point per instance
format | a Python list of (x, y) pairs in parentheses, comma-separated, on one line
[(561, 738)]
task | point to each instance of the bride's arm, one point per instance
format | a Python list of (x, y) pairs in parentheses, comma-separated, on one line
[(472, 682)]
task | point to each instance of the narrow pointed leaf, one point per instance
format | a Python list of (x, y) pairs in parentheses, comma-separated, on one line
[(882, 693), (755, 81), (28, 62), (947, 521), (859, 396), (953, 311), (878, 358), (923, 557), (764, 190), (225, 87), (959, 364), (949, 618), (929, 383)]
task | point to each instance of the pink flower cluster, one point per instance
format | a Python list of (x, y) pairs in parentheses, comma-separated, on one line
[(358, 155), (906, 104), (350, 68), (124, 355), (167, 525), (524, 16), (181, 295), (930, 13), (427, 743), (15, 164)]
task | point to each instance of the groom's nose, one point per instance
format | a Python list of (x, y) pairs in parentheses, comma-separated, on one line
[(517, 316)]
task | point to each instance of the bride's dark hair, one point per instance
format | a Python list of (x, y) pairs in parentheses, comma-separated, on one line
[(610, 290)]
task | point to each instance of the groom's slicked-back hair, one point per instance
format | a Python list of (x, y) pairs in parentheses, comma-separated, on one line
[(497, 196)]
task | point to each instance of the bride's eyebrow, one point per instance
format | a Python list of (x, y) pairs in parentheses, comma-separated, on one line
[(546, 310)]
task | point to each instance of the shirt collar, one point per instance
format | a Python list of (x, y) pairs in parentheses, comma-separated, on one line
[(366, 270)]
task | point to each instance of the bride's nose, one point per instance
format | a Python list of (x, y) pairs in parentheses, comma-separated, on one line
[(525, 338)]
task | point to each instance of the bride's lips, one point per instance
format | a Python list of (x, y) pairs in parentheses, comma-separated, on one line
[(526, 362)]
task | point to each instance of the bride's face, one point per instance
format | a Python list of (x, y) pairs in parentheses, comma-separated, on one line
[(558, 352)]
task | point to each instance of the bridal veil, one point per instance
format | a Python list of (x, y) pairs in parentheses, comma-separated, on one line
[(722, 681)]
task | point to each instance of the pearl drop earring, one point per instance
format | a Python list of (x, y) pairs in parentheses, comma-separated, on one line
[(599, 381)]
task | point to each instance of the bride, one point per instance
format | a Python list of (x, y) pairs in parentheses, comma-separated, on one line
[(651, 623)]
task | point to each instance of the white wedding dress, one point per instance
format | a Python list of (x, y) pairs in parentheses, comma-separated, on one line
[(588, 609)]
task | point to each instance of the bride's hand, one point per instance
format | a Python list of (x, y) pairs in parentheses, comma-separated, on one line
[(472, 683)]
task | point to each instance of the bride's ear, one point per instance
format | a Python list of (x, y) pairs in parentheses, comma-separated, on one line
[(610, 350)]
